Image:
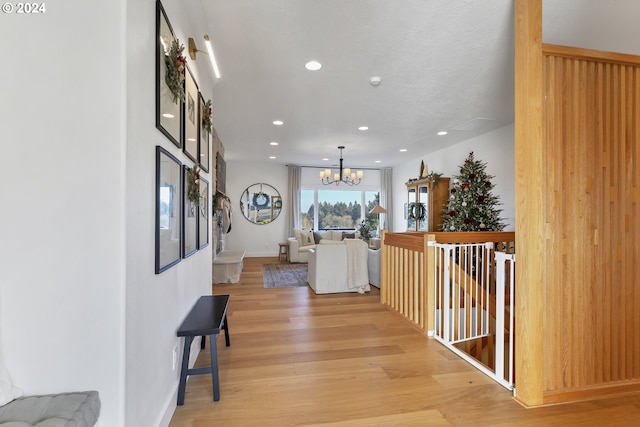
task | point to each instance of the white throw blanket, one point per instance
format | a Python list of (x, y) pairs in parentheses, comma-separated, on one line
[(357, 271)]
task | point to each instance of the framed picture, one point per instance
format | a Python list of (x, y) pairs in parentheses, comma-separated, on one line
[(221, 174), (191, 116), (168, 108), (189, 220), (203, 218), (205, 137), (168, 210)]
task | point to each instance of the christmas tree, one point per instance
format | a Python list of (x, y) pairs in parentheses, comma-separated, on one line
[(472, 205)]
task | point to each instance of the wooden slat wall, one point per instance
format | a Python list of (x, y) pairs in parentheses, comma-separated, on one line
[(592, 291)]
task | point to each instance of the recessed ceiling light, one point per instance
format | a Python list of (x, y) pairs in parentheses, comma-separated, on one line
[(363, 128), (442, 132), (168, 116), (402, 150), (272, 157), (378, 161), (325, 158), (278, 122), (273, 143), (313, 65)]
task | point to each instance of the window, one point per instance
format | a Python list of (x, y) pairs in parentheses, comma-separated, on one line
[(307, 209), (337, 208)]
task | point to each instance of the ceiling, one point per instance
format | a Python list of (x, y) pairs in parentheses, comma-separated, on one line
[(443, 65)]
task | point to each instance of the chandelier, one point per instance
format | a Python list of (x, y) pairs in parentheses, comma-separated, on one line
[(344, 175)]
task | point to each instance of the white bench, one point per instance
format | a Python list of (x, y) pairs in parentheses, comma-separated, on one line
[(227, 266)]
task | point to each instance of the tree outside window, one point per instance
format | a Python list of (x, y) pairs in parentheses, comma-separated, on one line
[(337, 208)]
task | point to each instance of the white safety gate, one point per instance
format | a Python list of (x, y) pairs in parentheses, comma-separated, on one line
[(474, 305)]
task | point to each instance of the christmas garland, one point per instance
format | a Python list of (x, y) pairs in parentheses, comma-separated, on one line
[(193, 184), (216, 200), (174, 76), (436, 178), (206, 116)]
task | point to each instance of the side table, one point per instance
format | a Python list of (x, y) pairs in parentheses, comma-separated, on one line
[(283, 251)]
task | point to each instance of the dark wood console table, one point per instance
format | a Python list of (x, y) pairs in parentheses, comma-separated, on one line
[(207, 317)]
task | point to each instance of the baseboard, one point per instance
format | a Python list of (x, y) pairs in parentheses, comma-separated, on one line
[(169, 407)]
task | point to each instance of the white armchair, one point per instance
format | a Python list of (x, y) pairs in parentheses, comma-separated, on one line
[(333, 270), (374, 267), (298, 253)]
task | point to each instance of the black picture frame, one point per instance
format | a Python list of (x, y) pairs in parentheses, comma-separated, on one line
[(205, 138), (190, 215), (169, 114), (168, 233), (203, 217), (191, 116)]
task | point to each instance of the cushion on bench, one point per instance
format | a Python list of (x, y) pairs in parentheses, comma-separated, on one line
[(77, 409)]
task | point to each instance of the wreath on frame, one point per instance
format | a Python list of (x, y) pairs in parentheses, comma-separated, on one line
[(417, 211), (174, 76), (193, 184), (206, 116), (260, 200)]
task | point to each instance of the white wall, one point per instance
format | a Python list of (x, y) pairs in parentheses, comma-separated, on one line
[(256, 240), (62, 250), (80, 305), (494, 148), (155, 304)]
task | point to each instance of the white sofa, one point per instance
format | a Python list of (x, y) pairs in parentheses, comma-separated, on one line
[(339, 267), (305, 240)]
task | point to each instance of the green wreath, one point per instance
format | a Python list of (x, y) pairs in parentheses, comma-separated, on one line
[(417, 211), (206, 116), (174, 76), (193, 184), (260, 200)]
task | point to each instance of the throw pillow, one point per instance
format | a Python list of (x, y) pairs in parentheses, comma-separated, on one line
[(8, 391), (346, 235), (307, 238), (297, 233), (317, 237)]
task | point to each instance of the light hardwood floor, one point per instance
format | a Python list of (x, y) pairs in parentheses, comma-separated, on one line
[(300, 359)]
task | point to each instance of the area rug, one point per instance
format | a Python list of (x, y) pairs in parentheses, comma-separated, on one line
[(284, 275)]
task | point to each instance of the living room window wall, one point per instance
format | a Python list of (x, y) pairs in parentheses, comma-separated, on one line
[(337, 206)]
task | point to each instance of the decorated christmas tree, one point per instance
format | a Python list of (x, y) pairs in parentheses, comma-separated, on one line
[(472, 205)]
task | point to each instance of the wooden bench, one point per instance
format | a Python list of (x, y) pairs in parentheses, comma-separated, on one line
[(227, 266), (207, 317)]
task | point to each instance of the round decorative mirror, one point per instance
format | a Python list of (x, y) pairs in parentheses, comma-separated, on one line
[(261, 203)]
